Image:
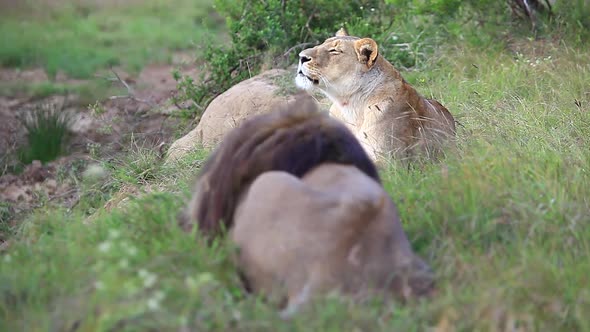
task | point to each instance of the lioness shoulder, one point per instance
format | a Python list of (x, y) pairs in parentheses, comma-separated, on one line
[(387, 115)]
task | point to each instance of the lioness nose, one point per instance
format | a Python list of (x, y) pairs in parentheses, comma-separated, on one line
[(304, 58)]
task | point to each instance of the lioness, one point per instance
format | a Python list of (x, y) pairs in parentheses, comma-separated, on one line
[(387, 115), (304, 204)]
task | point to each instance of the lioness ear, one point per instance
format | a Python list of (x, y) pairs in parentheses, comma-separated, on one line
[(366, 50), (342, 32)]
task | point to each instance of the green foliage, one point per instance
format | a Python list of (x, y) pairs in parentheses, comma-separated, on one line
[(574, 17), (6, 214), (81, 38), (86, 92), (503, 221), (47, 131), (268, 33), (271, 33), (138, 167)]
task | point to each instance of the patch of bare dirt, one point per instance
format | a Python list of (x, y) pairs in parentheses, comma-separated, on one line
[(136, 110), (36, 186), (36, 180), (99, 132), (36, 75)]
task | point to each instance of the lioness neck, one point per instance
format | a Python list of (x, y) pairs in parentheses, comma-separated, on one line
[(381, 79)]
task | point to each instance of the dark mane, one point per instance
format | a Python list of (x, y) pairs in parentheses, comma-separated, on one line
[(294, 139)]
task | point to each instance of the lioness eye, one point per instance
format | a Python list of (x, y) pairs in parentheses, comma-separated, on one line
[(334, 51)]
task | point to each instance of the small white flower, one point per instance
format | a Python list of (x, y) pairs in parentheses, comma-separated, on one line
[(113, 234), (204, 278), (143, 273), (150, 280), (7, 259), (124, 263), (237, 315), (132, 251), (153, 304), (98, 285), (104, 246), (159, 295)]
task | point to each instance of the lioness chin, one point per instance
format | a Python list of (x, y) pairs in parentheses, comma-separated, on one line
[(386, 114)]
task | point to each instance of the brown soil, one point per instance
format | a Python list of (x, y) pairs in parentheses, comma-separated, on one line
[(143, 117)]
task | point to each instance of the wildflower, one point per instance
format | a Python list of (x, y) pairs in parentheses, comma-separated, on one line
[(132, 251), (153, 304), (104, 246), (113, 234), (150, 280), (124, 263), (142, 273)]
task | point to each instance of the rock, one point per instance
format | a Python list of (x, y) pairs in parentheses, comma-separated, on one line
[(260, 94)]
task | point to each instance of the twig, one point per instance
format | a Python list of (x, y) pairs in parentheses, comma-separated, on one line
[(297, 46), (129, 89), (130, 92), (63, 194), (309, 32)]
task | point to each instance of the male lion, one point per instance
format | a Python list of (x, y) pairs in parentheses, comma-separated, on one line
[(388, 116), (304, 204)]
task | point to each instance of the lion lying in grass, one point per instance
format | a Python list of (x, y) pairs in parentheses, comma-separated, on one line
[(386, 114), (304, 204)]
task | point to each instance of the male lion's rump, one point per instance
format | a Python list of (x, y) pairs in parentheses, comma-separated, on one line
[(333, 229)]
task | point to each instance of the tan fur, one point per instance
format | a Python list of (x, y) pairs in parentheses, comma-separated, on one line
[(257, 95), (334, 229), (387, 115), (304, 204)]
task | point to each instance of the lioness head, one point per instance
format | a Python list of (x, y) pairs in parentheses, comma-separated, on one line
[(336, 66)]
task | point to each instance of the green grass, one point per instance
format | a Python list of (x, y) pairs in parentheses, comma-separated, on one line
[(80, 39), (47, 132), (86, 92), (504, 222)]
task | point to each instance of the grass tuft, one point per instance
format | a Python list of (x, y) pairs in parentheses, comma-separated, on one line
[(47, 132)]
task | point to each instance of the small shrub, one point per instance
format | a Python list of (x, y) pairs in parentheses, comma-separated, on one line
[(6, 215), (271, 33), (48, 130), (268, 34)]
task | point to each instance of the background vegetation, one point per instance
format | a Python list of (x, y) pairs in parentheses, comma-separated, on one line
[(81, 37), (504, 220)]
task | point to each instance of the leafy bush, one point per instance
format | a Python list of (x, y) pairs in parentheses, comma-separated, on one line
[(271, 33), (48, 130)]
